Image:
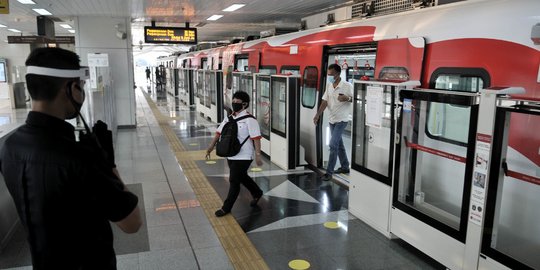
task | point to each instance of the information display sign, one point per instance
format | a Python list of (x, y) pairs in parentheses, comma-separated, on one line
[(176, 35)]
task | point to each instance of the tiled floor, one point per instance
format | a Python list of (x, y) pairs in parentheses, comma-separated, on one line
[(286, 225)]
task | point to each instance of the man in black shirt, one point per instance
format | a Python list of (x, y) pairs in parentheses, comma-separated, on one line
[(66, 192)]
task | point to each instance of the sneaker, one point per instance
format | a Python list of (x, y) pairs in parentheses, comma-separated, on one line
[(326, 177), (255, 200), (220, 213), (342, 170)]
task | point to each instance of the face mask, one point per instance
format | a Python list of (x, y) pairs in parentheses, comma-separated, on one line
[(237, 107), (331, 79), (75, 104)]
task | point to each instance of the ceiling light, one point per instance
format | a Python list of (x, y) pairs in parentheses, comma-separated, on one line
[(214, 17), (26, 2), (1, 25), (42, 11), (71, 31), (234, 7), (14, 30), (67, 26)]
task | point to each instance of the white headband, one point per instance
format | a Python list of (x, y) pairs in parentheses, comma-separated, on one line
[(83, 73)]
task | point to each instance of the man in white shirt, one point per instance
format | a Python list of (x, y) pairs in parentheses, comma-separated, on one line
[(239, 164), (338, 98)]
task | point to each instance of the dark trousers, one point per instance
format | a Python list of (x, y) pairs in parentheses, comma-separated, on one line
[(239, 175)]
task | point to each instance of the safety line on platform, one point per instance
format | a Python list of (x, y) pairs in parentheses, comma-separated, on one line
[(242, 253)]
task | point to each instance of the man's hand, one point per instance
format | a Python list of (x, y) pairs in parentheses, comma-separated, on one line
[(343, 98), (104, 136), (258, 159), (316, 119)]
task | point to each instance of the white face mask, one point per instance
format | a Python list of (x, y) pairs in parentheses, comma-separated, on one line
[(331, 79)]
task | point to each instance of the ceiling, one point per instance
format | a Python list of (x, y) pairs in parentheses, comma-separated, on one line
[(256, 16)]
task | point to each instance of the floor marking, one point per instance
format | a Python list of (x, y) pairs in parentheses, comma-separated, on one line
[(331, 225), (241, 252), (211, 162), (256, 169), (299, 264)]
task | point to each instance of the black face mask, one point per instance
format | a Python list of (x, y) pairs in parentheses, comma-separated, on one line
[(237, 107), (75, 104)]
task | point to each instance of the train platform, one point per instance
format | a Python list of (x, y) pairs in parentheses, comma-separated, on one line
[(301, 221)]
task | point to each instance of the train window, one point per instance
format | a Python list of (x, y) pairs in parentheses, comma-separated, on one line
[(263, 106), (293, 70), (456, 82), (309, 91), (271, 70), (394, 74), (204, 63), (241, 62), (444, 120), (460, 79)]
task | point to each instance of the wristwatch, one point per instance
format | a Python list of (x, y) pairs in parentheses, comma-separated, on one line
[(350, 99)]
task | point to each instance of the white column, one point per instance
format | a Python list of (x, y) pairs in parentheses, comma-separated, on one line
[(100, 35)]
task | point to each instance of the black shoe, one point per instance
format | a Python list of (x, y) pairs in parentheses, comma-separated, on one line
[(342, 170), (220, 213), (326, 177), (254, 202)]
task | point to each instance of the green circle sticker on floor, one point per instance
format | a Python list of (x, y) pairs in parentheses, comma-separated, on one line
[(256, 169), (210, 162), (299, 264), (331, 225)]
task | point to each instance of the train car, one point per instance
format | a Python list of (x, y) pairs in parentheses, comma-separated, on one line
[(168, 78), (460, 48)]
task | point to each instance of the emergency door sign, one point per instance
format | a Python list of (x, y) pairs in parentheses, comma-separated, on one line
[(4, 6)]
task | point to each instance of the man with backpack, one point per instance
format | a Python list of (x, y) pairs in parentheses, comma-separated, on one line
[(232, 142)]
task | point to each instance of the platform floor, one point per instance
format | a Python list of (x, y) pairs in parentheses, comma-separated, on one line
[(162, 160)]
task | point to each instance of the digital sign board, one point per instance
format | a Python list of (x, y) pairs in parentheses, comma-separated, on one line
[(176, 35)]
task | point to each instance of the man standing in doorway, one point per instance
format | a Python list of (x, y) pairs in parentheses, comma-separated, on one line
[(338, 98)]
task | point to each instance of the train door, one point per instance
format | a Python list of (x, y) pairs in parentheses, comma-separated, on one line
[(354, 56), (307, 109)]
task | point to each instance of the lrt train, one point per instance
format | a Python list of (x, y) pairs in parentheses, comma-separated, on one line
[(462, 47)]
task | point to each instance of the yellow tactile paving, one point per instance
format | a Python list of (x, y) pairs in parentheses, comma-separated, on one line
[(241, 252)]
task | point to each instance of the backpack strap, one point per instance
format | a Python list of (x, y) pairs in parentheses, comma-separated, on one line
[(241, 118)]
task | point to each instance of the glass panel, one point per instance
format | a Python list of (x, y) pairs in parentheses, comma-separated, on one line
[(213, 89), (236, 83), (457, 82), (516, 232), (263, 107), (372, 149), (309, 91), (394, 74), (279, 102), (441, 117), (208, 84), (200, 87), (432, 172)]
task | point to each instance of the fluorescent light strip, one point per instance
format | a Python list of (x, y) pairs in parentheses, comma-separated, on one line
[(71, 31), (42, 11), (234, 7), (67, 26), (214, 17), (14, 30), (26, 2), (1, 25)]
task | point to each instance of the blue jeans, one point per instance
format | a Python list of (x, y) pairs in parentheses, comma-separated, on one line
[(337, 149)]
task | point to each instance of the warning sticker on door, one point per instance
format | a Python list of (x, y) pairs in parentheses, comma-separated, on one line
[(478, 191)]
